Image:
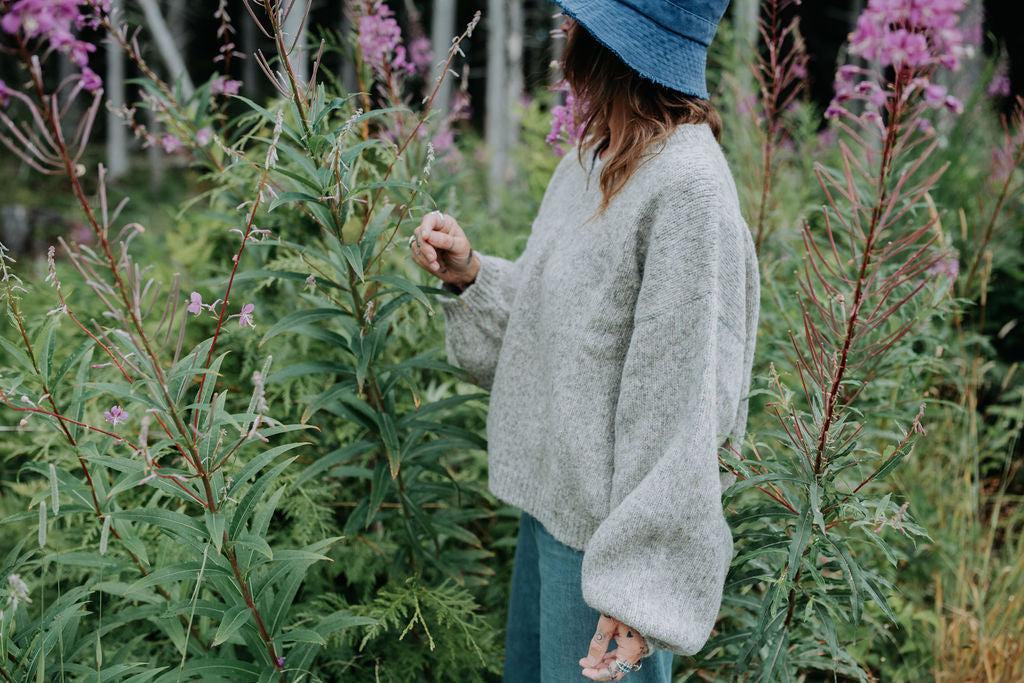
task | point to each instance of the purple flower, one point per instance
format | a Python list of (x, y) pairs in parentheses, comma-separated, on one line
[(90, 80), (834, 111), (999, 87), (934, 95), (196, 305), (170, 143), (380, 38), (203, 136), (420, 54), (915, 37), (280, 662), (115, 416), (245, 316), (946, 268), (564, 118), (954, 104), (224, 86), (5, 94), (54, 22)]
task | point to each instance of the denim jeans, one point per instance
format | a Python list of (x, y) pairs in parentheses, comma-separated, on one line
[(549, 625)]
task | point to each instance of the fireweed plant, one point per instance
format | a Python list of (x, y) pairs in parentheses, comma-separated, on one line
[(819, 531), (163, 472)]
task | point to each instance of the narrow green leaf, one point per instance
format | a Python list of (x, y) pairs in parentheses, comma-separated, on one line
[(233, 620), (54, 493), (304, 317), (405, 286), (105, 534), (801, 536), (42, 523)]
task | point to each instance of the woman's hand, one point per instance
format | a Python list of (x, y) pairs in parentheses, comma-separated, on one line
[(440, 247), (601, 665)]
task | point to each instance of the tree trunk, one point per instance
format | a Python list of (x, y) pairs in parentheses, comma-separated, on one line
[(745, 17), (496, 119), (117, 135), (169, 51), (249, 72), (514, 89), (442, 30)]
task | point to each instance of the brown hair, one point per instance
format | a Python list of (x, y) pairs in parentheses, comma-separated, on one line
[(599, 79)]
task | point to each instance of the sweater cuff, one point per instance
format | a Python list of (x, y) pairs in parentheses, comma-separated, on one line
[(482, 295)]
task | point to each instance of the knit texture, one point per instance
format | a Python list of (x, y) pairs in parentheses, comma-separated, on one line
[(618, 350)]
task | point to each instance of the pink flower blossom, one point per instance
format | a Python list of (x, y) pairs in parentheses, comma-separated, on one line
[(55, 22), (170, 143), (90, 80), (203, 136), (999, 87), (245, 316), (5, 94), (196, 305), (914, 37), (420, 54), (949, 268), (222, 85), (565, 128), (380, 38), (115, 416), (954, 104), (934, 95)]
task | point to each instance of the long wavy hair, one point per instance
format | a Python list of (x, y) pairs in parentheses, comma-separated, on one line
[(599, 79)]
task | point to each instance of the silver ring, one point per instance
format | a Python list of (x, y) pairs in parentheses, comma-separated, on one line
[(624, 666), (438, 212), (412, 240)]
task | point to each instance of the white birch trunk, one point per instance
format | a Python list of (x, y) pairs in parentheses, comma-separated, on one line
[(117, 134), (442, 30), (514, 89), (167, 47), (496, 119)]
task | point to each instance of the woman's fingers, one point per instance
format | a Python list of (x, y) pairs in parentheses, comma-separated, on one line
[(605, 670), (599, 643), (632, 646)]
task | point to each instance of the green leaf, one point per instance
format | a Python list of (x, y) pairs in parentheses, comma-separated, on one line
[(185, 571), (405, 286), (42, 523), (286, 197), (301, 636), (801, 537), (245, 507), (258, 463), (853, 577), (333, 458), (172, 522), (54, 493), (304, 317), (18, 355), (233, 620)]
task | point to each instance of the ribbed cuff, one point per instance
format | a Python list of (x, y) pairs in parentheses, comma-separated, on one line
[(483, 294)]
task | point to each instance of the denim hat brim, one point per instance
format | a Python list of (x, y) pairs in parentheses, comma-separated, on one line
[(656, 53)]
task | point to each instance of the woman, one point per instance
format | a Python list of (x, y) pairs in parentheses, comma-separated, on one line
[(618, 349)]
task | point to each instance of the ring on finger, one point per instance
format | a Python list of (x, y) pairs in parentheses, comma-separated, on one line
[(625, 667), (412, 240)]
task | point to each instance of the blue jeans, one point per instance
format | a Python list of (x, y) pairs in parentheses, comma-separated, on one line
[(549, 625)]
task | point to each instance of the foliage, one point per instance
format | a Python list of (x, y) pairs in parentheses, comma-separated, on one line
[(873, 540), (178, 519)]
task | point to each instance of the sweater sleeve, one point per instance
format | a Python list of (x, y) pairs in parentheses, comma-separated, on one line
[(476, 319), (658, 561)]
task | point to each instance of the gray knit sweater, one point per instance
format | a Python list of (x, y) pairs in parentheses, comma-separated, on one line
[(618, 351)]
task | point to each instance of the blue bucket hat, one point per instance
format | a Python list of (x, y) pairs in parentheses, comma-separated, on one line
[(665, 41)]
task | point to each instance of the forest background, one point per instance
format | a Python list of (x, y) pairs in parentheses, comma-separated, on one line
[(232, 449)]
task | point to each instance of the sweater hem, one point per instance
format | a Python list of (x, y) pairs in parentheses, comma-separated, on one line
[(513, 488)]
